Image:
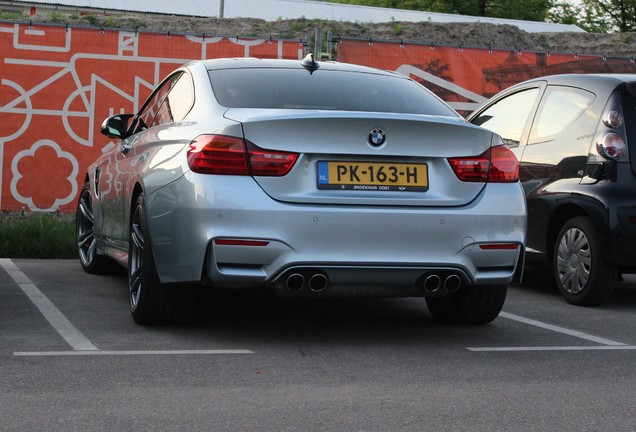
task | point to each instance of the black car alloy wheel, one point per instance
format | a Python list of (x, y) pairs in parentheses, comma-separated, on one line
[(91, 261), (136, 257)]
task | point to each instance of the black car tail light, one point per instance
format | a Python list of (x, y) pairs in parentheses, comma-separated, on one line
[(613, 118), (221, 154), (611, 146), (611, 143), (496, 165)]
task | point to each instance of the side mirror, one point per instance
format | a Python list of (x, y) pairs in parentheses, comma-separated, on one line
[(116, 126)]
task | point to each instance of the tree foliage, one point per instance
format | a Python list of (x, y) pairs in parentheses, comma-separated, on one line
[(609, 15), (591, 15)]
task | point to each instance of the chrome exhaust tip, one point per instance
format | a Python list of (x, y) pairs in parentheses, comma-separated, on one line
[(295, 281), (432, 283), (318, 282), (452, 283)]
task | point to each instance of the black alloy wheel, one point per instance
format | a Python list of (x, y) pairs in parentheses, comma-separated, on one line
[(91, 261)]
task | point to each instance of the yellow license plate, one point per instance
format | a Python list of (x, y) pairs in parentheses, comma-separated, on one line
[(378, 176)]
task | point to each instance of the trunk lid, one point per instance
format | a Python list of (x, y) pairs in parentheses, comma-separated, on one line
[(415, 147)]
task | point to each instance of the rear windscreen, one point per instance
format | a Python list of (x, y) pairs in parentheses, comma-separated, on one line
[(323, 90)]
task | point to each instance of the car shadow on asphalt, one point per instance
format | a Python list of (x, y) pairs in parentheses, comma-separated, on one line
[(260, 316), (540, 281)]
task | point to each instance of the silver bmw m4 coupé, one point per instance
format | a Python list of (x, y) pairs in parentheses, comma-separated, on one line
[(307, 178)]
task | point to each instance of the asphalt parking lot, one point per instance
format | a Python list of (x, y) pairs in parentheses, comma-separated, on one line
[(73, 359)]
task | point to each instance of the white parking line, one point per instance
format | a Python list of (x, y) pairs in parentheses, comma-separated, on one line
[(606, 344), (131, 353), (554, 348), (558, 329), (78, 342), (69, 333)]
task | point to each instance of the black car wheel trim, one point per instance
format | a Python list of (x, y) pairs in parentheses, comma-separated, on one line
[(583, 277), (574, 261)]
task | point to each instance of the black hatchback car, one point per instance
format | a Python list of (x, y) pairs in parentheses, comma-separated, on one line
[(575, 138)]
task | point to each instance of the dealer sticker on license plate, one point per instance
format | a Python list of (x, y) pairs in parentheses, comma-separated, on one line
[(373, 176)]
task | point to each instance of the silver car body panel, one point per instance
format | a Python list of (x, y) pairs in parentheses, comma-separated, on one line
[(188, 215)]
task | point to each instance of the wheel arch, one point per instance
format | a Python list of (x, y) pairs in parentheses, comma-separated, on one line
[(557, 219), (136, 191), (582, 206)]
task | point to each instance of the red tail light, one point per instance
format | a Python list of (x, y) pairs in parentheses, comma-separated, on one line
[(270, 163), (220, 154), (497, 164)]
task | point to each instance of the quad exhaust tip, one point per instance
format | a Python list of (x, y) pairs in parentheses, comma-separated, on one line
[(317, 282), (434, 283)]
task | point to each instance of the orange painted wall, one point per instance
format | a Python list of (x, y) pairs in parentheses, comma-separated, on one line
[(57, 84), (466, 76)]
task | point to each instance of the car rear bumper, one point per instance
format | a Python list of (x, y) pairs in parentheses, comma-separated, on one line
[(622, 238), (227, 230)]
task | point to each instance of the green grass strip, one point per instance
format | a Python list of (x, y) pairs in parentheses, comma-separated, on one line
[(37, 235)]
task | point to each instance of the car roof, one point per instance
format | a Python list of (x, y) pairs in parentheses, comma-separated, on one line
[(597, 82), (255, 63), (590, 78)]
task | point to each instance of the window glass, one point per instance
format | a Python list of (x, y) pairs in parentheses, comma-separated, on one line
[(178, 102), (150, 110), (558, 109), (508, 117), (154, 112), (323, 90)]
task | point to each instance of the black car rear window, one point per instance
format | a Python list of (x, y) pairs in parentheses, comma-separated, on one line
[(323, 90)]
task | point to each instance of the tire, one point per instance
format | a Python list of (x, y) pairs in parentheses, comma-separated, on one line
[(152, 302), (477, 304), (581, 274), (91, 261)]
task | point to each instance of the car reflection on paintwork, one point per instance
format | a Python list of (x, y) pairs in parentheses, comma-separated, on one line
[(577, 149)]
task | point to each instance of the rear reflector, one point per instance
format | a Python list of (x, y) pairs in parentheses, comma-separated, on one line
[(238, 242), (497, 165), (500, 246)]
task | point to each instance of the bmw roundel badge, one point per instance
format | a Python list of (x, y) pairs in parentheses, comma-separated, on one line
[(376, 137)]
